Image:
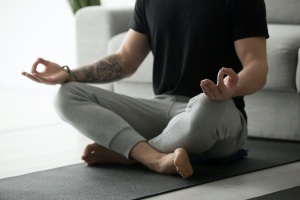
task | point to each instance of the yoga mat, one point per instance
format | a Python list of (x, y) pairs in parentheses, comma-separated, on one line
[(135, 181), (289, 194)]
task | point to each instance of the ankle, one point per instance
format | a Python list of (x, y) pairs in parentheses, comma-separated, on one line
[(154, 162), (163, 163), (148, 156)]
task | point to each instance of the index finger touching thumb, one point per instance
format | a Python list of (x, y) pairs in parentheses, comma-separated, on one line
[(36, 63), (230, 72), (43, 61)]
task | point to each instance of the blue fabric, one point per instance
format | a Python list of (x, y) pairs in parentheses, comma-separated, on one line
[(241, 154)]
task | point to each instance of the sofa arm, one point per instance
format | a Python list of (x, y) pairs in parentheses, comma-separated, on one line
[(298, 73), (95, 25)]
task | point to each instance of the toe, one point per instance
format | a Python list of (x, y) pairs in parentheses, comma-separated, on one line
[(87, 150)]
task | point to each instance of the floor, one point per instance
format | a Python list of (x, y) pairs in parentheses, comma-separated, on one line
[(41, 148), (25, 148)]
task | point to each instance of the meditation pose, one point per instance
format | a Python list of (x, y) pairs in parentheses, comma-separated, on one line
[(207, 56)]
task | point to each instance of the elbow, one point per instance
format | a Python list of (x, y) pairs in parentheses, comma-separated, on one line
[(128, 65), (266, 70), (264, 75), (263, 82)]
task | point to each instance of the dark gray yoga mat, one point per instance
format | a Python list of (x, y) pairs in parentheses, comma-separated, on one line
[(135, 181)]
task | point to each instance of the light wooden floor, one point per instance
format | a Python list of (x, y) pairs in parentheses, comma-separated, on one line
[(41, 148)]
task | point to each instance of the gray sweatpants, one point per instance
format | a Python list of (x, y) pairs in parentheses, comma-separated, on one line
[(214, 129)]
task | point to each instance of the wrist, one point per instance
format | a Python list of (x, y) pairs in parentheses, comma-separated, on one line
[(68, 73)]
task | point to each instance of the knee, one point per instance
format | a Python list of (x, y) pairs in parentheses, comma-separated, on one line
[(63, 99), (202, 101), (204, 109), (209, 116)]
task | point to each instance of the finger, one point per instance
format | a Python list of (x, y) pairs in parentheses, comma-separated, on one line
[(213, 89), (36, 63), (43, 61), (232, 75), (42, 79), (203, 87), (30, 77), (220, 77), (34, 66), (208, 88)]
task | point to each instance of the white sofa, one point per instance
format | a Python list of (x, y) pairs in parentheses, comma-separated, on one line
[(273, 112)]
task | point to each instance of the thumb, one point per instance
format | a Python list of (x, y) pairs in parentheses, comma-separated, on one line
[(220, 77), (232, 75), (34, 66), (36, 63)]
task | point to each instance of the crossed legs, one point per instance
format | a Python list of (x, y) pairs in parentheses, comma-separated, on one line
[(128, 130), (171, 163)]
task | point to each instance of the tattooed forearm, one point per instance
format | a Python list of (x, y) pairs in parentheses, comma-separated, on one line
[(105, 70), (90, 75), (109, 71)]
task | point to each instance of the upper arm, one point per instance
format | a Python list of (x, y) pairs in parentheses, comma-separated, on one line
[(253, 56), (133, 50), (251, 50)]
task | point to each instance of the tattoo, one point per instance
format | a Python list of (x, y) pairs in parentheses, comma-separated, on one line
[(103, 71), (109, 71), (90, 76)]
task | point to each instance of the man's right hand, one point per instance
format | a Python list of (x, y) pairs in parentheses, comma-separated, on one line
[(51, 75)]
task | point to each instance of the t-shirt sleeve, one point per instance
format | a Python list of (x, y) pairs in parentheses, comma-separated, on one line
[(249, 19), (138, 20)]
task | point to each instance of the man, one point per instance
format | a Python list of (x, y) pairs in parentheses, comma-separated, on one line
[(207, 56)]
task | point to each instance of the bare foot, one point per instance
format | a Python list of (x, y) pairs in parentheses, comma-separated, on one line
[(182, 163), (176, 163), (95, 154)]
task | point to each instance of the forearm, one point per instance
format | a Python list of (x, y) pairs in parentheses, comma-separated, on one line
[(107, 69), (252, 78)]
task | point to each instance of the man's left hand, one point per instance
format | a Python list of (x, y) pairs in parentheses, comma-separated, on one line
[(225, 87)]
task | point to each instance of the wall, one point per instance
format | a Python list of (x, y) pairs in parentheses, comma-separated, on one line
[(30, 29), (36, 28)]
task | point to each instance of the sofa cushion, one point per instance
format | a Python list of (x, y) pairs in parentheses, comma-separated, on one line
[(282, 47), (298, 73), (273, 114), (283, 11)]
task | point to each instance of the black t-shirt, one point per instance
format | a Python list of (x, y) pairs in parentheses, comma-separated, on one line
[(192, 39)]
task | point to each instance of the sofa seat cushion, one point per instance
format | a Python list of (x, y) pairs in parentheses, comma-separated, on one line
[(282, 49), (298, 73), (273, 114)]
